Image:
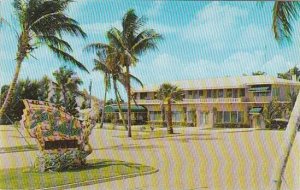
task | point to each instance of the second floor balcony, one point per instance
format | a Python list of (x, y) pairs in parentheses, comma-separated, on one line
[(214, 100), (194, 101)]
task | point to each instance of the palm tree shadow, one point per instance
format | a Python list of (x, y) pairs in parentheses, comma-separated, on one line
[(100, 164), (129, 147)]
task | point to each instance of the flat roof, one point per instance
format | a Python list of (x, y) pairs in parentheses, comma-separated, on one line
[(222, 83)]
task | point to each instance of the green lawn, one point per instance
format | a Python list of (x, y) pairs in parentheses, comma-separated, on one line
[(97, 170)]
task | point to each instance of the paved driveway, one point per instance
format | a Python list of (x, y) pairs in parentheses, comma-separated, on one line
[(206, 159)]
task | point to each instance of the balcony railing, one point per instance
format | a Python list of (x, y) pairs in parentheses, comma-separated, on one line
[(147, 101), (201, 100), (213, 100)]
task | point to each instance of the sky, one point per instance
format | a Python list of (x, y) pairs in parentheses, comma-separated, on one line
[(201, 40)]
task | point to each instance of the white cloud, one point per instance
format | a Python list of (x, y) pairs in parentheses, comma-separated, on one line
[(100, 28), (215, 25), (156, 9), (166, 67), (162, 29)]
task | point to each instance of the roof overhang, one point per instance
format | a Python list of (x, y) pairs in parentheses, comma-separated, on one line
[(255, 110), (115, 108)]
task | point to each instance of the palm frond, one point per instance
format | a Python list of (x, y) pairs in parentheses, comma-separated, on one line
[(137, 80), (95, 47), (67, 57), (284, 13), (147, 41), (55, 42), (115, 38), (100, 66)]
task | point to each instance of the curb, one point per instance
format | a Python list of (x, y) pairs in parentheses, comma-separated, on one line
[(102, 180)]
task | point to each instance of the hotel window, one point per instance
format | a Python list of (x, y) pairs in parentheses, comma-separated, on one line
[(190, 116), (229, 93), (230, 117), (177, 116), (227, 117), (143, 95), (155, 116), (214, 93), (242, 92), (235, 93), (190, 94), (234, 117), (219, 117), (220, 93), (209, 93), (201, 93), (240, 118)]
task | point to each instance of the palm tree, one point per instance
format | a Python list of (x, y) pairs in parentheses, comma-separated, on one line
[(289, 74), (131, 42), (168, 94), (284, 13), (43, 22), (108, 64), (67, 82)]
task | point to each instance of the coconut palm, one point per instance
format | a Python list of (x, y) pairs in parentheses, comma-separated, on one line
[(131, 42), (43, 22), (67, 82), (168, 94), (284, 13), (108, 64)]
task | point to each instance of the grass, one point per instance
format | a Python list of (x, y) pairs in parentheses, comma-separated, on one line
[(94, 172)]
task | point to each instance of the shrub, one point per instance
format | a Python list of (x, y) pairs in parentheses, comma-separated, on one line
[(231, 125)]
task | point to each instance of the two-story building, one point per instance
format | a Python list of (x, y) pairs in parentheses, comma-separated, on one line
[(229, 100)]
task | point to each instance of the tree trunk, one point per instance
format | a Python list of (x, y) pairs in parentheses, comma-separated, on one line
[(163, 115), (119, 105), (170, 127), (290, 135), (128, 100), (12, 86), (64, 92), (104, 103)]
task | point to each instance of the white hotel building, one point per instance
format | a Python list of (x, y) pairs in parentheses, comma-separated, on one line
[(218, 101)]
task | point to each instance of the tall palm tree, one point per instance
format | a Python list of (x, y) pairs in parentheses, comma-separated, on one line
[(168, 94), (108, 64), (43, 22), (284, 13), (131, 42)]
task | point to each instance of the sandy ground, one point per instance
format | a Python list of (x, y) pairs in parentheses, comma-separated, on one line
[(201, 159)]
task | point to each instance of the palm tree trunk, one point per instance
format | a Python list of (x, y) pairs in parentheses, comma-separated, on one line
[(170, 128), (128, 100), (290, 134), (104, 103), (119, 105), (12, 86), (64, 96), (163, 115)]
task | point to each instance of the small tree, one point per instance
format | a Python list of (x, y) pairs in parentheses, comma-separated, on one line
[(272, 112), (168, 94), (258, 73)]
